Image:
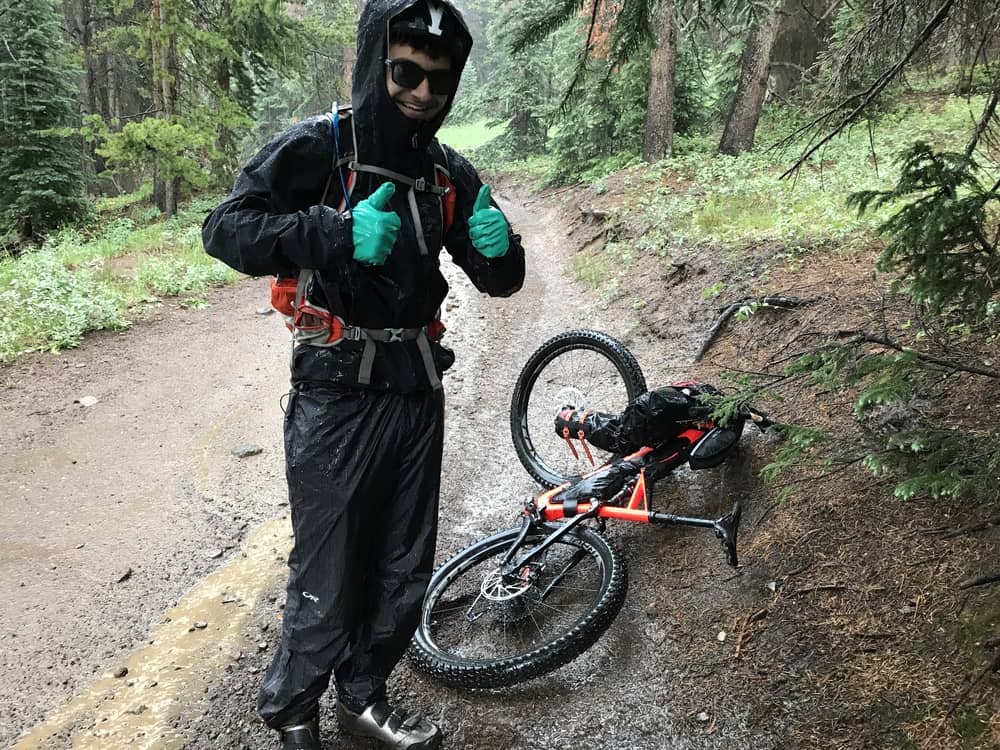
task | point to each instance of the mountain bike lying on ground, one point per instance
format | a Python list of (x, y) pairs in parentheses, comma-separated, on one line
[(527, 600)]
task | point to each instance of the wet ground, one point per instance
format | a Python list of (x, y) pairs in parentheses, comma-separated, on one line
[(144, 535)]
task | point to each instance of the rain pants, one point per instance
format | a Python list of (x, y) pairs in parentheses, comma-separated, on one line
[(362, 462)]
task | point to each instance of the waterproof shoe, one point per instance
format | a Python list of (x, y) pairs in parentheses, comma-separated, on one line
[(395, 728), (301, 736)]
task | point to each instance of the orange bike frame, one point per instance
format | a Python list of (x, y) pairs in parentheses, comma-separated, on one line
[(636, 509)]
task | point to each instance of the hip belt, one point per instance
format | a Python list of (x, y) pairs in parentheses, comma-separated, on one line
[(316, 326)]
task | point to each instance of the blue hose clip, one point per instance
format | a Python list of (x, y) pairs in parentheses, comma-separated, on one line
[(335, 126)]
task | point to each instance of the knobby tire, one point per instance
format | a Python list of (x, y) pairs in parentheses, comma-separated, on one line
[(472, 661), (528, 442)]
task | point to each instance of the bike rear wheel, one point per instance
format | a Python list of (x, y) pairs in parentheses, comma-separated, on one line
[(477, 632), (581, 369)]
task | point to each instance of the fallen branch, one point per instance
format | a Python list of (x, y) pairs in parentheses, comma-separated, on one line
[(730, 310), (820, 587), (862, 337), (968, 583), (981, 526)]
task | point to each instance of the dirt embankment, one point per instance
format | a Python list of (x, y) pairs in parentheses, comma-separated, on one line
[(147, 533)]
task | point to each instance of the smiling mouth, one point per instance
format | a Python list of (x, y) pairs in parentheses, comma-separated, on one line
[(416, 108)]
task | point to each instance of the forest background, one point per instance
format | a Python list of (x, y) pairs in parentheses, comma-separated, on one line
[(867, 126)]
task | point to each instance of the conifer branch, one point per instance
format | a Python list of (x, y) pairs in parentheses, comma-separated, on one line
[(989, 112), (866, 97), (861, 338)]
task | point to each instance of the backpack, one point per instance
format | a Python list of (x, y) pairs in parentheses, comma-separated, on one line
[(316, 326)]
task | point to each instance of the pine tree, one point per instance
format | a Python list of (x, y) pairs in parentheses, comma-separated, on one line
[(41, 169)]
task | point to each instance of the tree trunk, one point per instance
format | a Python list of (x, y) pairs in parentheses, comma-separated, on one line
[(172, 69), (164, 58), (224, 141), (80, 25), (659, 138), (350, 57), (804, 32), (741, 124), (156, 60)]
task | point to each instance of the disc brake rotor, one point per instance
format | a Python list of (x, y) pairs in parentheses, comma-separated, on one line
[(496, 589)]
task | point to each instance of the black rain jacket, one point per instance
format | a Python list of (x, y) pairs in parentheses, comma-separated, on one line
[(276, 222)]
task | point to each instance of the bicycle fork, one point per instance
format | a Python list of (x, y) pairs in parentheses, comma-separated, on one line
[(510, 566)]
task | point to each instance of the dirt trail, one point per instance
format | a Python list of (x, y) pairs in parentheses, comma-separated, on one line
[(113, 511), (133, 537)]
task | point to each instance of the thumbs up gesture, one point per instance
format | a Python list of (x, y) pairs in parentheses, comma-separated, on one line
[(375, 227), (488, 227)]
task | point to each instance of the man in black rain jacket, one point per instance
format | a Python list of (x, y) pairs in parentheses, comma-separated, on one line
[(347, 204)]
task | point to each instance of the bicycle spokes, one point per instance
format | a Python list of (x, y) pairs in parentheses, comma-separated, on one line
[(490, 612)]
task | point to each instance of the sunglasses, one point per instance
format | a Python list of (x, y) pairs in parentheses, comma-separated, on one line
[(409, 75)]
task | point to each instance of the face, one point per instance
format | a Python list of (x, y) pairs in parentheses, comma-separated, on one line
[(419, 103)]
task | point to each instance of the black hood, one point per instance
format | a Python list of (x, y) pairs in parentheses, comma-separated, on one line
[(385, 136)]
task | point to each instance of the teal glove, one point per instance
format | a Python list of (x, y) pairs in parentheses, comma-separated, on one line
[(488, 227), (374, 228)]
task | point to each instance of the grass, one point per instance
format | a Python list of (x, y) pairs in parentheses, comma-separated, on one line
[(593, 269), (102, 276), (469, 136), (698, 196)]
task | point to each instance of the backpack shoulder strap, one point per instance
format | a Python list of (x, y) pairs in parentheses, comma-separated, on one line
[(442, 164), (442, 177), (341, 157)]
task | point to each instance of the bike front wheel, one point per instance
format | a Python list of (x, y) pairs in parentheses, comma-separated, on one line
[(479, 630), (583, 370)]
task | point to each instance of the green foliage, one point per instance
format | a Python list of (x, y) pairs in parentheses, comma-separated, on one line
[(852, 30), (731, 406), (973, 728), (889, 379), (939, 463), (713, 290), (52, 297), (469, 135), (48, 306), (469, 99), (289, 94), (41, 165), (179, 147), (745, 312), (626, 92), (733, 201), (693, 91), (521, 88), (226, 55), (125, 201), (723, 74), (797, 442), (924, 456), (883, 378), (188, 268), (594, 270), (938, 238)]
